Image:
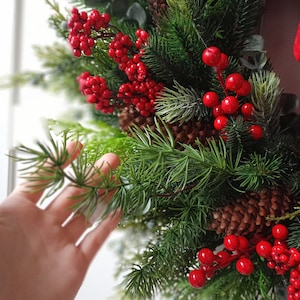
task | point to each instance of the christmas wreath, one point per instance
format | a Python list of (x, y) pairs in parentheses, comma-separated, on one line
[(210, 177)]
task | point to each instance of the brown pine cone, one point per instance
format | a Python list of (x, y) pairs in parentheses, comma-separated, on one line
[(185, 133), (248, 214), (157, 7)]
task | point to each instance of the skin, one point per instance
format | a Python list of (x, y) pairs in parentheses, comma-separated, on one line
[(38, 256)]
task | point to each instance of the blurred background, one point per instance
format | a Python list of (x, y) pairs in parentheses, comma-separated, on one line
[(24, 23)]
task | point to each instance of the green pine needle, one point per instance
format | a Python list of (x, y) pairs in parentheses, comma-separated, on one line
[(44, 171), (180, 104), (259, 171), (265, 96)]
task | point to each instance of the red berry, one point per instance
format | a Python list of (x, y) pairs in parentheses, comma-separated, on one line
[(284, 258), (220, 122), (244, 266), (234, 81), (247, 109), (280, 232), (280, 242), (294, 273), (223, 258), (243, 243), (211, 56), (271, 264), (295, 254), (290, 289), (231, 242), (209, 273), (264, 249), (223, 63), (296, 283), (217, 111), (210, 99), (245, 89), (230, 105), (197, 278), (106, 18), (256, 131), (206, 256)]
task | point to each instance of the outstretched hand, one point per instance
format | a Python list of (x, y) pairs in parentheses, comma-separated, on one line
[(39, 258)]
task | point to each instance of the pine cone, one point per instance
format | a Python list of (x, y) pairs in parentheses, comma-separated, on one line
[(247, 215), (157, 7), (185, 133)]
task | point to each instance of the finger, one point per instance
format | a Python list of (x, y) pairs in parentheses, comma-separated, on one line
[(71, 195), (95, 239), (101, 206), (75, 227), (26, 190)]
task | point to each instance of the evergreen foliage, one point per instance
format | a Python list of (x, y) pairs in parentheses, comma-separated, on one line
[(169, 190), (180, 105)]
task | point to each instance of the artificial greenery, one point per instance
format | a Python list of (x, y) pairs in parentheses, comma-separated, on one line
[(47, 163), (168, 189)]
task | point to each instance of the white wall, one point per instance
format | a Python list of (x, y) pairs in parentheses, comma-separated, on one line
[(22, 122)]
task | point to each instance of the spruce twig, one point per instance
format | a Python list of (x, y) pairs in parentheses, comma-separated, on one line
[(44, 170), (265, 97), (180, 104)]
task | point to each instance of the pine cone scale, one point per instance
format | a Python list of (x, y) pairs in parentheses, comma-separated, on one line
[(248, 215)]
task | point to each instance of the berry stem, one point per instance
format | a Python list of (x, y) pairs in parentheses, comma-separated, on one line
[(220, 78), (103, 35)]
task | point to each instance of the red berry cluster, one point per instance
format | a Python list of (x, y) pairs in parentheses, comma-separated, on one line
[(141, 90), (130, 61), (81, 25), (234, 86), (141, 94), (236, 248), (282, 259), (96, 91), (278, 255)]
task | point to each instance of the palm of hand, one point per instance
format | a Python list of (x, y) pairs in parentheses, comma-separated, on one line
[(38, 256)]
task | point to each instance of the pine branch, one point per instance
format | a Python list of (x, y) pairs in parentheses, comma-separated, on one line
[(294, 233), (44, 169), (170, 254), (156, 170), (226, 24), (245, 19), (97, 136), (180, 104), (260, 170), (237, 134), (170, 51), (57, 20), (265, 96)]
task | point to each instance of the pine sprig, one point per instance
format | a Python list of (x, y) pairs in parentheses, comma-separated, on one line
[(170, 255), (261, 170), (294, 233), (245, 16), (180, 104), (265, 96), (44, 170), (158, 171), (58, 21), (98, 137)]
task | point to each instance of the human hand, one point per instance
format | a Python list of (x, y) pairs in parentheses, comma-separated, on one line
[(38, 256)]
